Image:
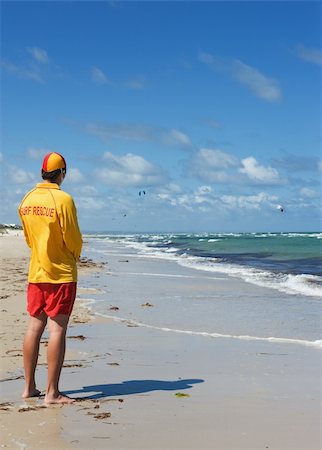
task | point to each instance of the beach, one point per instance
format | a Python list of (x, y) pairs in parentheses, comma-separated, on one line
[(145, 371)]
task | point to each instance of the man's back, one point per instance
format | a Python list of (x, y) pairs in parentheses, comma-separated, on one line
[(51, 229)]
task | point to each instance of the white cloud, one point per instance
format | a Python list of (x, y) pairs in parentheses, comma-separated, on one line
[(87, 190), (129, 170), (28, 73), (261, 85), (139, 133), (39, 54), (216, 159), (20, 176), (129, 163), (216, 166), (211, 165), (185, 201), (89, 203), (32, 69), (203, 199), (261, 174), (173, 188), (248, 201), (1, 157), (98, 76), (311, 55), (119, 178), (309, 193), (168, 192), (75, 175), (214, 62), (200, 199), (176, 137)]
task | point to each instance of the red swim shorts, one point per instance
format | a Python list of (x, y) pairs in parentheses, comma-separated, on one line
[(51, 298)]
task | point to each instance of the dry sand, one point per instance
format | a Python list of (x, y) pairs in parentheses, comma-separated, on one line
[(232, 395)]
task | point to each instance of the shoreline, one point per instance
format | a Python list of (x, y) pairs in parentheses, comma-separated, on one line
[(231, 394)]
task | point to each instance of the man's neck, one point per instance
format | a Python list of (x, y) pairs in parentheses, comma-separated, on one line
[(58, 181)]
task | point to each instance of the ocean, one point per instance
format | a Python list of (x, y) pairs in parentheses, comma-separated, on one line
[(281, 275)]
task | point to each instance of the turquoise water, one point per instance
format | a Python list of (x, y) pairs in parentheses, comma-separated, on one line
[(280, 300), (289, 262), (299, 253)]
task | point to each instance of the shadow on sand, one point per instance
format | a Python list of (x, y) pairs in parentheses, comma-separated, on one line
[(97, 391)]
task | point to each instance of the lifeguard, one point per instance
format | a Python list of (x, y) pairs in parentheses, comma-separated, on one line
[(50, 225)]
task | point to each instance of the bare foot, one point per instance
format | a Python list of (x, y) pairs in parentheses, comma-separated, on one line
[(60, 399), (31, 393)]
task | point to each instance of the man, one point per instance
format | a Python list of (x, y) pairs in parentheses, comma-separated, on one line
[(50, 225)]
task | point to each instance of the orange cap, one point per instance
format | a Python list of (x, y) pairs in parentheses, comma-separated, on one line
[(53, 161)]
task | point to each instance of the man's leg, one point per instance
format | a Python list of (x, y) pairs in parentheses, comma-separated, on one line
[(55, 358), (31, 351)]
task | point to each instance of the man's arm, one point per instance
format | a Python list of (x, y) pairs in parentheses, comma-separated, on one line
[(70, 229), (24, 227)]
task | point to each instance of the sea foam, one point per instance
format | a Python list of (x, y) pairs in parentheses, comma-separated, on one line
[(272, 339)]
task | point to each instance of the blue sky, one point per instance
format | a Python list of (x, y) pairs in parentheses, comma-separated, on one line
[(212, 108)]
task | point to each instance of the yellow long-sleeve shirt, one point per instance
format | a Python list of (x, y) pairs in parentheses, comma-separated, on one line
[(50, 225)]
